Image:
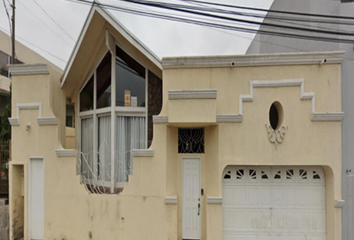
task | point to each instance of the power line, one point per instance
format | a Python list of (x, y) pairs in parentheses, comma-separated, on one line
[(271, 11), (175, 7), (36, 46), (257, 15), (8, 15), (45, 24), (53, 20), (221, 26)]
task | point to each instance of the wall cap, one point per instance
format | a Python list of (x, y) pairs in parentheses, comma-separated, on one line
[(229, 118), (65, 152), (253, 60), (214, 200), (192, 94), (47, 121), (171, 200), (143, 153), (28, 69), (160, 119), (339, 203), (327, 117)]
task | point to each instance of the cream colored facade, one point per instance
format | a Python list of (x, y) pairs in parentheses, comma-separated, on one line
[(228, 96)]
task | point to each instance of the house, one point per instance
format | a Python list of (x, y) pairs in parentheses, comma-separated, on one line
[(271, 44), (213, 147)]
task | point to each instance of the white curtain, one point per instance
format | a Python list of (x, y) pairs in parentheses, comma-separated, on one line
[(104, 148), (130, 135), (86, 155)]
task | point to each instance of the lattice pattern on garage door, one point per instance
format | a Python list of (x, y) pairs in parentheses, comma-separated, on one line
[(278, 203)]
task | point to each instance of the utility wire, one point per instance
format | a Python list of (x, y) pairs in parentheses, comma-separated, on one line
[(8, 15), (203, 7), (64, 61), (46, 24), (271, 11), (221, 26), (53, 20), (175, 7)]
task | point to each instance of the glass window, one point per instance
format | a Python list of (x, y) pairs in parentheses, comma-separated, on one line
[(104, 73), (4, 61), (104, 148), (130, 135), (86, 96), (86, 155), (130, 81)]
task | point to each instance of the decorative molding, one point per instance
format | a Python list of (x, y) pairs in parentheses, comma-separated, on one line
[(253, 60), (171, 200), (47, 121), (143, 152), (32, 106), (229, 118), (327, 117), (28, 69), (160, 119), (65, 152), (303, 96), (14, 121), (192, 94), (276, 136), (339, 203), (214, 200)]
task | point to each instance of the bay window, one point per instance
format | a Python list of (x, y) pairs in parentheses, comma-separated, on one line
[(112, 118)]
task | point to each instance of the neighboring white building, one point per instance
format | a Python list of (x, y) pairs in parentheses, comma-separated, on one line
[(273, 44)]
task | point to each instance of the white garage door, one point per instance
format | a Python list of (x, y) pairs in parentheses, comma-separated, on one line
[(274, 203)]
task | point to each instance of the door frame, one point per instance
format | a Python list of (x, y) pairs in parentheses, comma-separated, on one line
[(29, 232), (184, 159)]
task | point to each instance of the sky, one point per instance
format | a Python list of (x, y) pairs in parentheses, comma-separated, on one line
[(38, 31)]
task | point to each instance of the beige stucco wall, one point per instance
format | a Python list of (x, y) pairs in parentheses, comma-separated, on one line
[(140, 211)]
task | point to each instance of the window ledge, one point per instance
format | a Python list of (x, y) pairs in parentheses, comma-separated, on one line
[(143, 152)]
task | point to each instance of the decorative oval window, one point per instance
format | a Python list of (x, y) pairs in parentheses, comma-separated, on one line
[(275, 115)]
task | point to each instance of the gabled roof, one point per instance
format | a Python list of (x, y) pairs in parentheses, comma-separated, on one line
[(87, 48)]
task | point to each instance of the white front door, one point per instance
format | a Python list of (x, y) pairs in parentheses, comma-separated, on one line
[(36, 199), (191, 198)]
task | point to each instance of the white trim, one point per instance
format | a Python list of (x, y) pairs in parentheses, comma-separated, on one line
[(214, 200), (142, 152), (28, 69), (47, 121), (159, 119), (192, 94), (171, 200), (229, 118), (65, 152), (276, 59), (303, 96), (14, 121), (120, 29), (327, 117), (339, 203)]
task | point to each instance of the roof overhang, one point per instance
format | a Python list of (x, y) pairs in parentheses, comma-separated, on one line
[(90, 42)]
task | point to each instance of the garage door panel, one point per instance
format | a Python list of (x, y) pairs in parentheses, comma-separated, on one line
[(252, 196), (240, 196), (282, 203)]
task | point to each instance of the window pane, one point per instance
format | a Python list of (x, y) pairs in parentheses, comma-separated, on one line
[(104, 72), (130, 135), (104, 148), (86, 96), (86, 155), (130, 81), (4, 61)]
